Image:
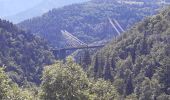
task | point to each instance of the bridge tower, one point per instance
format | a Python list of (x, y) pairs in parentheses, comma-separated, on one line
[(72, 43)]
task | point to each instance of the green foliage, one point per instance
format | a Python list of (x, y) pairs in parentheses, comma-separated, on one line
[(22, 53), (3, 84), (131, 97), (139, 60), (10, 91), (69, 82), (164, 97), (137, 63), (64, 81), (104, 90), (87, 21)]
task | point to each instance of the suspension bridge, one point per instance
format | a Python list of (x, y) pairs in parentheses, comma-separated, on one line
[(72, 43)]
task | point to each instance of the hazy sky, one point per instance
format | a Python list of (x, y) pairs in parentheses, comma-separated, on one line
[(10, 7), (18, 10)]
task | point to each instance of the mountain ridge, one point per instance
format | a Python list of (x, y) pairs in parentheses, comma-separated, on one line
[(87, 21)]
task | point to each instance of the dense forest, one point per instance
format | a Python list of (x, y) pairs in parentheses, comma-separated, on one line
[(60, 81), (87, 21), (133, 66), (138, 62), (22, 54)]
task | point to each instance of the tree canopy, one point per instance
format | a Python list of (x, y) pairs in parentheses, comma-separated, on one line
[(69, 82), (138, 61), (23, 54), (87, 21), (11, 91)]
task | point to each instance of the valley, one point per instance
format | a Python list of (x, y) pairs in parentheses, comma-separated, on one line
[(90, 23), (86, 50)]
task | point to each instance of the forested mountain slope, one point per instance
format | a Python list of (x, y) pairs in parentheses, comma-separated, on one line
[(88, 21), (11, 91), (23, 54), (138, 62)]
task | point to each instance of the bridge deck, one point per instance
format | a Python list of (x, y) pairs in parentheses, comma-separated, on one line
[(79, 47)]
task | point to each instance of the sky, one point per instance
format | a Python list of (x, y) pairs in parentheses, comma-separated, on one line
[(19, 10), (11, 7)]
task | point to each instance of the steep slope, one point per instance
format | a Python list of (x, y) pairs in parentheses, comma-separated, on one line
[(88, 21), (138, 62), (23, 54)]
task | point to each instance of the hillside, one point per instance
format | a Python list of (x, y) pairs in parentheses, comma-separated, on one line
[(138, 62), (134, 65), (23, 54), (87, 21)]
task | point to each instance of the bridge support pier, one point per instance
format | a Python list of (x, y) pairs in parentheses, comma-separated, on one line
[(62, 54)]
